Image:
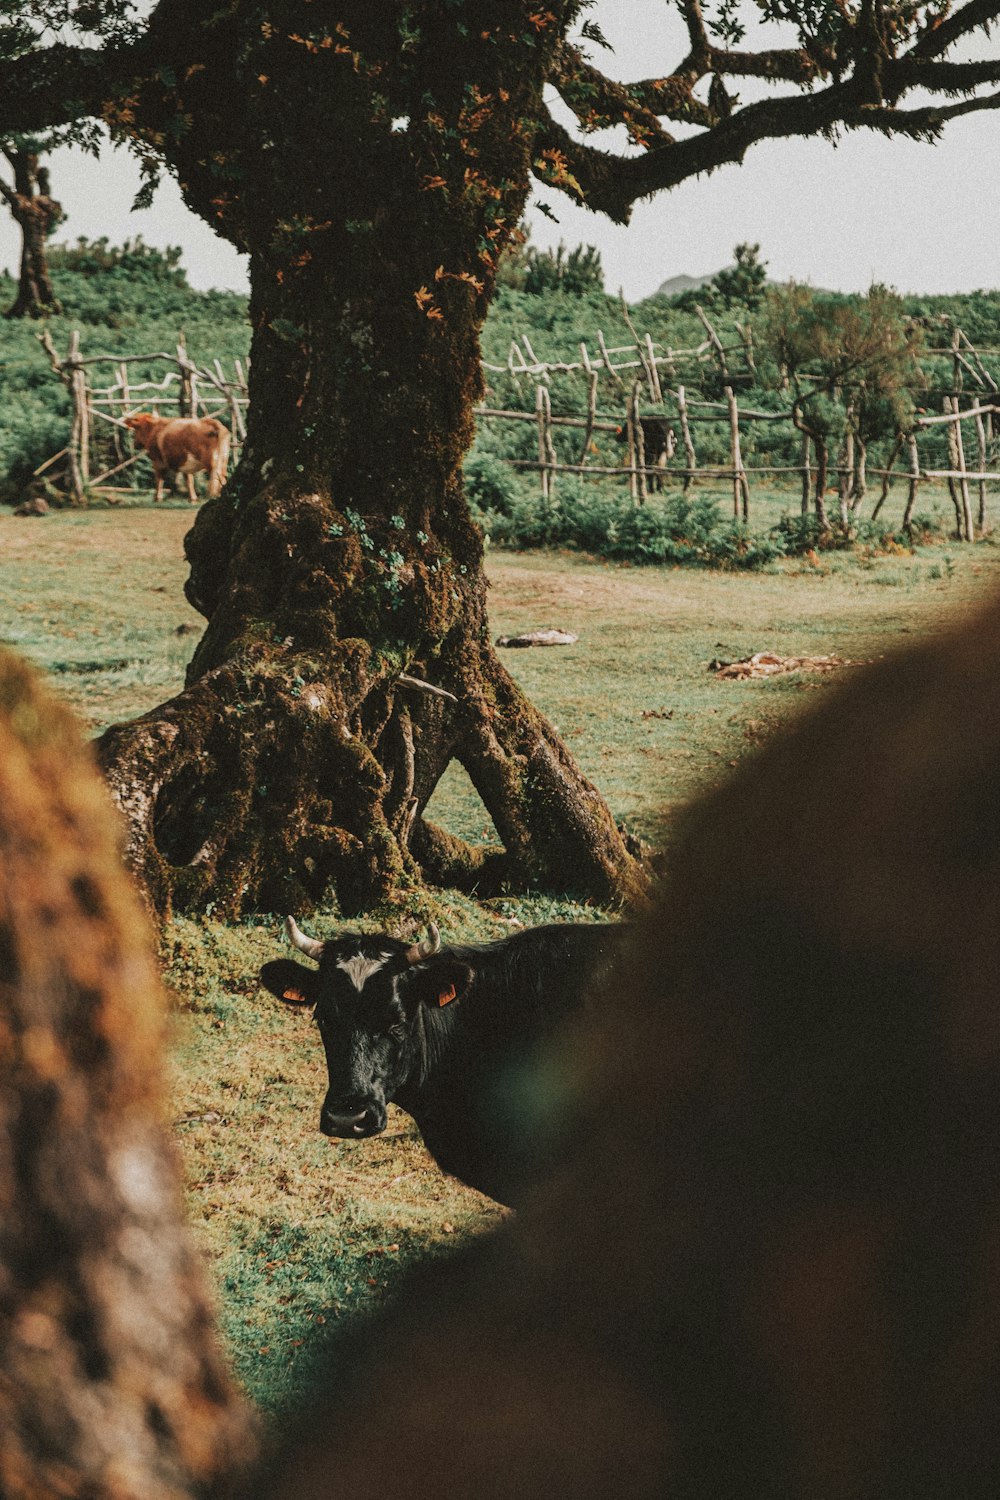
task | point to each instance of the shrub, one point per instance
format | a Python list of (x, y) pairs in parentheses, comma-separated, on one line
[(679, 530), (801, 534), (135, 260), (490, 484)]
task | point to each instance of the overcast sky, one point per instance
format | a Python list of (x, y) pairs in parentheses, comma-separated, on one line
[(921, 218)]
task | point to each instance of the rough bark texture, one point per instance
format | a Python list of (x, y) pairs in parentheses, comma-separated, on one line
[(111, 1382), (342, 553), (36, 214), (771, 1266)]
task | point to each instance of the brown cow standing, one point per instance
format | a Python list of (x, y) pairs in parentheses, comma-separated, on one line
[(183, 445)]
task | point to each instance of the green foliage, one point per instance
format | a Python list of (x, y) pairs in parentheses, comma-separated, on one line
[(681, 530), (803, 534), (742, 285), (134, 260), (677, 531), (845, 360), (490, 485), (576, 272), (820, 341)]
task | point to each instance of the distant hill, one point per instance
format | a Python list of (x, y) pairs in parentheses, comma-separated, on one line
[(678, 284)]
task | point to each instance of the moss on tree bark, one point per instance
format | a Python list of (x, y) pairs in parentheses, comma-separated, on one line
[(342, 554)]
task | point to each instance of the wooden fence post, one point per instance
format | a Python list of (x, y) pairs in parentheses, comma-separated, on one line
[(958, 484), (606, 357), (741, 489), (981, 452), (690, 457), (80, 438), (654, 373), (541, 372), (591, 412), (184, 386), (969, 530), (950, 478), (552, 457), (806, 475), (242, 380), (647, 359), (639, 490), (715, 341), (541, 395)]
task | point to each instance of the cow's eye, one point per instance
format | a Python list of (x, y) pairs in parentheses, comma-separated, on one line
[(398, 1032)]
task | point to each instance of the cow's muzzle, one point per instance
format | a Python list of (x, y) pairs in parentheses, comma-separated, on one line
[(353, 1123)]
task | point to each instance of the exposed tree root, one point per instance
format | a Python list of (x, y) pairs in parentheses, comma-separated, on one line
[(267, 783)]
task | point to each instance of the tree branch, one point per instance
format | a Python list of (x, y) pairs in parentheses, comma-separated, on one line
[(612, 184), (697, 35), (867, 98), (598, 101), (62, 84), (910, 72), (976, 14), (920, 124), (788, 64)]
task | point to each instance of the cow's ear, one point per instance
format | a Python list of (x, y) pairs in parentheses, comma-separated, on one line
[(291, 981), (438, 982)]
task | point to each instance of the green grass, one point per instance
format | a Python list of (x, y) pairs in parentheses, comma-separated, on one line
[(302, 1234)]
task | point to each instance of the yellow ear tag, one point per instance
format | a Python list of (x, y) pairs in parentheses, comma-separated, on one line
[(294, 995), (446, 995)]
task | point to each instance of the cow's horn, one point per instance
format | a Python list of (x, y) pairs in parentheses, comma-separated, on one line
[(427, 947), (311, 947)]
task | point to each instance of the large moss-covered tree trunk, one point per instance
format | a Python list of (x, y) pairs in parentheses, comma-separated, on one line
[(342, 560), (111, 1381)]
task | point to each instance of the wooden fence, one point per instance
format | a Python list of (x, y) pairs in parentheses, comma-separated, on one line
[(643, 376), (643, 354), (676, 407), (100, 447), (645, 362)]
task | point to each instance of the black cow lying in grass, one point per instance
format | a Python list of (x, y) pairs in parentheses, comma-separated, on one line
[(449, 1034), (770, 1267)]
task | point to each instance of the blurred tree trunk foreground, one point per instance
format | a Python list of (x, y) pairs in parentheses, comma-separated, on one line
[(112, 1383)]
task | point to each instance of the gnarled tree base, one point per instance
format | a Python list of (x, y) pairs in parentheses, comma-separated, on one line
[(272, 780)]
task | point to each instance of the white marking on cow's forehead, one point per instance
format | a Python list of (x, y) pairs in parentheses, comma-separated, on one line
[(361, 968)]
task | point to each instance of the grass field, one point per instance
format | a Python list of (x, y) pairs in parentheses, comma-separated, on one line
[(303, 1234)]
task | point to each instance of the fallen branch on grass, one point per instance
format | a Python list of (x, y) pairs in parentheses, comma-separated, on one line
[(768, 664)]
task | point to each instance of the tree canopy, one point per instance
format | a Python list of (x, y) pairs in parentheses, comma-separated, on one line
[(374, 161), (854, 64)]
